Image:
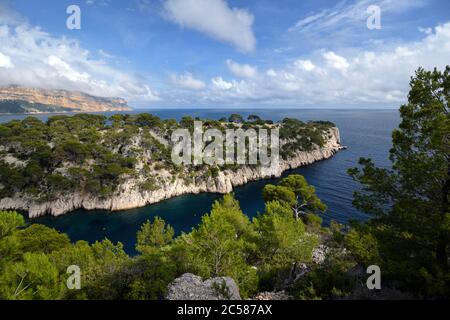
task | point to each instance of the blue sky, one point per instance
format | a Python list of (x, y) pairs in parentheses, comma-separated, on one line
[(218, 53)]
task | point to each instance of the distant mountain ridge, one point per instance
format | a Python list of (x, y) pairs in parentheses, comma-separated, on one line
[(16, 99)]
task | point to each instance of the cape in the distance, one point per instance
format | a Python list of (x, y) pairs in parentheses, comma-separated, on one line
[(17, 99)]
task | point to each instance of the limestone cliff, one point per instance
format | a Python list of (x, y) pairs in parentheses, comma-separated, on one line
[(15, 99), (130, 196)]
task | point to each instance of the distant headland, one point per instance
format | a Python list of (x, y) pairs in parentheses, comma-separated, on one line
[(17, 99)]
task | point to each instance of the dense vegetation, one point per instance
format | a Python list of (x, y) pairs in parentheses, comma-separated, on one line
[(408, 236), (94, 154), (21, 106), (302, 136), (258, 254)]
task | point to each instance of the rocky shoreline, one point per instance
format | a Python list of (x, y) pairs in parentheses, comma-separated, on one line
[(130, 197)]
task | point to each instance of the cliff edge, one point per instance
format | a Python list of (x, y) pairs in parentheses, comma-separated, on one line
[(130, 196), (15, 99)]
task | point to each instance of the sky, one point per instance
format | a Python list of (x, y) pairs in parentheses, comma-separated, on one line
[(226, 53)]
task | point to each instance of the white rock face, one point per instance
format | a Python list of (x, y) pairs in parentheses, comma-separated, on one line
[(319, 254), (129, 196), (192, 287)]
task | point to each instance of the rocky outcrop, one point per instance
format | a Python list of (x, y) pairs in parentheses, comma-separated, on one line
[(34, 100), (130, 196), (273, 295), (192, 287), (299, 270), (319, 254)]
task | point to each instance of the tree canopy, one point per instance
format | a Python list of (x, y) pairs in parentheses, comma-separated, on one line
[(34, 259), (295, 192), (410, 201)]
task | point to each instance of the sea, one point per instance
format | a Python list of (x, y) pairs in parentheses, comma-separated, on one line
[(365, 133)]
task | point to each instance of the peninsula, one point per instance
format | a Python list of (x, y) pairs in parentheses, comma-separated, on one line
[(124, 161), (16, 99)]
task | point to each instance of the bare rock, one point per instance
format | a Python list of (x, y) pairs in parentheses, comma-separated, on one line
[(192, 287), (319, 254), (70, 100), (274, 295)]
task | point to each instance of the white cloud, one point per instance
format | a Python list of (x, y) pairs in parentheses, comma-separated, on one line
[(336, 61), (105, 54), (343, 77), (42, 60), (216, 19), (345, 14), (241, 70), (306, 65), (356, 77), (64, 70), (5, 61), (426, 30), (100, 3), (282, 49), (271, 73), (187, 81), (219, 83)]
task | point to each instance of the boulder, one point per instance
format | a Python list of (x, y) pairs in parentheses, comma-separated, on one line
[(319, 254), (192, 287)]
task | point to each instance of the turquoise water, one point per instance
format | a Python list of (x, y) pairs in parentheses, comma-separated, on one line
[(367, 133)]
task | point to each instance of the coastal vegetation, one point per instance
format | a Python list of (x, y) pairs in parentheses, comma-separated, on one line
[(21, 106), (259, 254), (407, 236), (34, 258), (93, 154)]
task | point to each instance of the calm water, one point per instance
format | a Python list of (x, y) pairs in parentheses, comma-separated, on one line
[(367, 133)]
